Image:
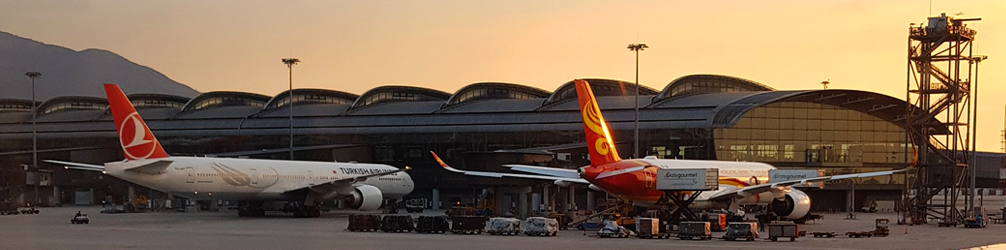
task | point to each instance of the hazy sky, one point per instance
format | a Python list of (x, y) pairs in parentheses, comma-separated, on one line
[(354, 46)]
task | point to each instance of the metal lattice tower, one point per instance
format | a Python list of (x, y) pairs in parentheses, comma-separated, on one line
[(940, 66)]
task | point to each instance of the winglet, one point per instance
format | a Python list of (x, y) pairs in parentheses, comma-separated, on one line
[(134, 136), (444, 165)]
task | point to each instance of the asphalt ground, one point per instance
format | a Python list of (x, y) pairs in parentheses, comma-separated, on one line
[(51, 229)]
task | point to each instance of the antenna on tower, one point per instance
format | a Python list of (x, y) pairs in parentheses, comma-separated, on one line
[(825, 83)]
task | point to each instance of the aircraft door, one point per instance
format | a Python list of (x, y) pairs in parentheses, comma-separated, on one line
[(253, 174), (650, 174), (310, 177), (191, 175)]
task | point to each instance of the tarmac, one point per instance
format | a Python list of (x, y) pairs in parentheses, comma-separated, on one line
[(51, 229)]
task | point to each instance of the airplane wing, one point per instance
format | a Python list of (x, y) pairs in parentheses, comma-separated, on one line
[(344, 185), (757, 189), (500, 175), (78, 166), (557, 172)]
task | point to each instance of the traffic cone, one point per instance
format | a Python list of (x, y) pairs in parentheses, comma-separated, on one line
[(584, 231), (906, 230)]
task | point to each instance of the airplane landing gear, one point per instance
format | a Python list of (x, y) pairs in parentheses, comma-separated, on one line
[(251, 210), (302, 211), (308, 211)]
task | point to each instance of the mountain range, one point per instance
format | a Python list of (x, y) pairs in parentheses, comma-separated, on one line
[(66, 72)]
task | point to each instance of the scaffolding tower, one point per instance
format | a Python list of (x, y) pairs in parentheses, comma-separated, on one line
[(939, 84)]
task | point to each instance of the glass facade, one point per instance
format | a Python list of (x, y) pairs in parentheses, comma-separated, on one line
[(803, 134)]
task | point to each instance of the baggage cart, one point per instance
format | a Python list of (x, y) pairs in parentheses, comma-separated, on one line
[(694, 229), (717, 222), (649, 228), (397, 223), (433, 224), (364, 222), (823, 234), (503, 226), (783, 229), (859, 234), (540, 226), (467, 224), (741, 230)]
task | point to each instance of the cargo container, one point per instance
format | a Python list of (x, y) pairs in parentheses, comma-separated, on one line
[(397, 223), (741, 230), (694, 229), (503, 226), (783, 229), (468, 224), (540, 226), (364, 222), (433, 224)]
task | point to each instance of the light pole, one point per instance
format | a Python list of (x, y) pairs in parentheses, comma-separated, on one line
[(34, 136), (636, 47), (289, 64)]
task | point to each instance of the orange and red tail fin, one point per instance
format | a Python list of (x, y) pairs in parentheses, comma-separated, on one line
[(134, 136), (599, 142)]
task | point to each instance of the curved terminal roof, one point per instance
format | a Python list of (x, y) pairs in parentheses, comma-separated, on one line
[(225, 99), (600, 87), (68, 103), (702, 84), (419, 110), (385, 94), (493, 91), (16, 105), (311, 96), (144, 101)]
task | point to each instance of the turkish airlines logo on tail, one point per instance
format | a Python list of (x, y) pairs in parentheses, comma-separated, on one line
[(135, 138)]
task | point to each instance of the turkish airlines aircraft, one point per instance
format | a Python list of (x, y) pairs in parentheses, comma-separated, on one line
[(303, 184), (633, 180)]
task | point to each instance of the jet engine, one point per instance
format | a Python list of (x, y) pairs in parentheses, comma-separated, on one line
[(365, 197), (794, 205)]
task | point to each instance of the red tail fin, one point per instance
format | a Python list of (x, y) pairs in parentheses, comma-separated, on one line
[(602, 150), (134, 136)]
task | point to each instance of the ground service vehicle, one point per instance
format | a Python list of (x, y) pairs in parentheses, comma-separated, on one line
[(80, 219)]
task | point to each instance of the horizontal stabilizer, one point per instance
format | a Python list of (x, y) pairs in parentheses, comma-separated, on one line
[(77, 165), (557, 172)]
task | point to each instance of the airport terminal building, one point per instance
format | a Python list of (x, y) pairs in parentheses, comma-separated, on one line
[(481, 127)]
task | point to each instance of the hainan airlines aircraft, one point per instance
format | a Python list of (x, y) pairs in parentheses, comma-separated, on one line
[(740, 183), (303, 183)]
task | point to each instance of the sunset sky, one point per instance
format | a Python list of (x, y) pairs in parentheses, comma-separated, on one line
[(354, 46)]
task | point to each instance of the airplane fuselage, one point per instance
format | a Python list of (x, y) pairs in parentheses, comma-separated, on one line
[(640, 186), (254, 179)]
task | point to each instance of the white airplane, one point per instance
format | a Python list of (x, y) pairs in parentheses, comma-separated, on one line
[(740, 183), (276, 182)]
